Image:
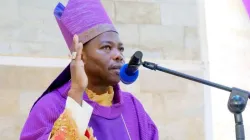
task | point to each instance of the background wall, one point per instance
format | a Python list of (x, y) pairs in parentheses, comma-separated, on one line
[(168, 32)]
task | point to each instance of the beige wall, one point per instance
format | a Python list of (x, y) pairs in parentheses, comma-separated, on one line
[(168, 31)]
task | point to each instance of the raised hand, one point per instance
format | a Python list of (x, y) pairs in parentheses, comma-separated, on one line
[(79, 79)]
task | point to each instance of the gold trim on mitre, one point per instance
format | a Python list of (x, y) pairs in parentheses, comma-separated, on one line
[(96, 30)]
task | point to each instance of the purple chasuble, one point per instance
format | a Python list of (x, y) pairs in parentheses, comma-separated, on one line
[(126, 119)]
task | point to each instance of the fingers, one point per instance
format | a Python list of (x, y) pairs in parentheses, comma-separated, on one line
[(77, 47), (75, 43), (79, 51)]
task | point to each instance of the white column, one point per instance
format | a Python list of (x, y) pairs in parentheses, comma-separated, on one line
[(228, 37)]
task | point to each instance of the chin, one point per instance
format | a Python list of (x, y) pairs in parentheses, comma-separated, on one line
[(114, 81)]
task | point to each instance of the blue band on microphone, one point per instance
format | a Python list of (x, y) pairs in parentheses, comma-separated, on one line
[(127, 79)]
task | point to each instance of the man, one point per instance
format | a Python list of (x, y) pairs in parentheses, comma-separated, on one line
[(85, 101)]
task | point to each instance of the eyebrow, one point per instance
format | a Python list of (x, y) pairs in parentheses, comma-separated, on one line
[(110, 42)]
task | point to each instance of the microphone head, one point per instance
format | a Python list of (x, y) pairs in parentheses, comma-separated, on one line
[(125, 78), (136, 58)]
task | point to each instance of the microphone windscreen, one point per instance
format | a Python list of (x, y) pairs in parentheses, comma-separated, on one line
[(125, 78)]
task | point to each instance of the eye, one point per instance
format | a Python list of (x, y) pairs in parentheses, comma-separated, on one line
[(106, 47), (121, 49)]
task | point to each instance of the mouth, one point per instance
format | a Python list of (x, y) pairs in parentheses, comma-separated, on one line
[(115, 69)]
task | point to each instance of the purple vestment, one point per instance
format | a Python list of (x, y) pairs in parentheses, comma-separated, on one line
[(107, 122)]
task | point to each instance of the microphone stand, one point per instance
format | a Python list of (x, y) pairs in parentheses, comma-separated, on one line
[(236, 103)]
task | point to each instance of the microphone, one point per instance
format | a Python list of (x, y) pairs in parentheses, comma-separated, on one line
[(129, 72)]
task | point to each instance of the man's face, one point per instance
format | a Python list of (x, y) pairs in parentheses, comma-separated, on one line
[(103, 58)]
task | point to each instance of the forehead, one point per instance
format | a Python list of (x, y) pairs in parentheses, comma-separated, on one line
[(112, 37)]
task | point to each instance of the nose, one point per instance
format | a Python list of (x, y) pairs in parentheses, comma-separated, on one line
[(117, 56)]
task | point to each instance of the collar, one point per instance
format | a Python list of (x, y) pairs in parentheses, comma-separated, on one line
[(110, 112)]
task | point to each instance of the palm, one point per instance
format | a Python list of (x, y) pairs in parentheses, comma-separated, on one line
[(78, 76)]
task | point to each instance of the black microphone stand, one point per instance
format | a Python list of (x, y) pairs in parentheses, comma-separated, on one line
[(236, 103)]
